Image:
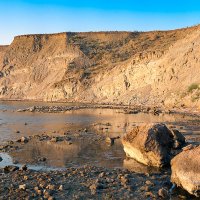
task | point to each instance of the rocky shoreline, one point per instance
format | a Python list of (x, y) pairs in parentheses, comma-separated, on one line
[(84, 182), (123, 108)]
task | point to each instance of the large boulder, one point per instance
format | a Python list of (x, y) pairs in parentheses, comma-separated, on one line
[(151, 144), (186, 170)]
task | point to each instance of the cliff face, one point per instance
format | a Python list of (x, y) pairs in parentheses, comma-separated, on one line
[(150, 68)]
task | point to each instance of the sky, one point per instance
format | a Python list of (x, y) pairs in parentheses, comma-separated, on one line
[(18, 17)]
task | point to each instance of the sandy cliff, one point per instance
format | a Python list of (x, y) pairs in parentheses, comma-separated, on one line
[(148, 68)]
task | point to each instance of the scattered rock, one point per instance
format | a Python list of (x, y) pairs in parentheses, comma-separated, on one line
[(163, 193), (179, 139), (54, 139), (32, 109), (24, 139), (186, 170), (8, 169), (23, 168), (111, 140), (22, 187), (149, 144), (50, 187), (60, 187), (42, 159)]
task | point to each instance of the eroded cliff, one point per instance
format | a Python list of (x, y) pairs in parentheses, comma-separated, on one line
[(148, 68)]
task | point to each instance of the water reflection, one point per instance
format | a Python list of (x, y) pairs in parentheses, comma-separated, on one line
[(111, 123), (80, 152)]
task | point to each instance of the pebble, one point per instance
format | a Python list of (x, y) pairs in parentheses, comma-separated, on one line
[(60, 187), (23, 168), (163, 193), (24, 139), (22, 187), (54, 139), (42, 159)]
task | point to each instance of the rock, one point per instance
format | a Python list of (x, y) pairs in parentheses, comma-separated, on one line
[(186, 170), (32, 109), (23, 168), (93, 188), (163, 193), (22, 187), (110, 141), (149, 194), (50, 187), (1, 158), (102, 174), (54, 139), (60, 187), (42, 159), (8, 169), (179, 139), (96, 186), (149, 182), (15, 162), (24, 139), (150, 144)]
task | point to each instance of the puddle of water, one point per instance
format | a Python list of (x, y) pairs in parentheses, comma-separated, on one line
[(7, 160)]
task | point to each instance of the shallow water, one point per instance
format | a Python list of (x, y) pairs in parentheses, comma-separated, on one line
[(82, 151)]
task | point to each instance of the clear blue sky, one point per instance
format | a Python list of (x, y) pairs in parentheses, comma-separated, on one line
[(49, 16)]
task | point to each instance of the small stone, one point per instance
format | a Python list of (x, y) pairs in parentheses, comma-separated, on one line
[(23, 168), (60, 187), (8, 169), (163, 193), (50, 187), (110, 141), (24, 139), (26, 178), (93, 188), (15, 162), (149, 182), (43, 159), (1, 158), (144, 188), (149, 194), (101, 175), (17, 131), (69, 142), (22, 187), (124, 180), (54, 139)]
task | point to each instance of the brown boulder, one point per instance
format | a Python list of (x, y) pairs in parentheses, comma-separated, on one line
[(186, 170), (150, 144)]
